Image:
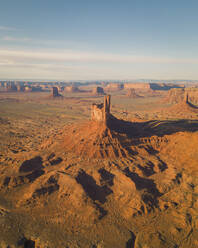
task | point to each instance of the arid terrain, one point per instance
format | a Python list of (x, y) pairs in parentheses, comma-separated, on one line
[(69, 181)]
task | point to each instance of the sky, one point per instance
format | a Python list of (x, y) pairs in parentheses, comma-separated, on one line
[(98, 40)]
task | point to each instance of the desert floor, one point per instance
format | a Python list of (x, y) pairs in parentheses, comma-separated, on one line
[(66, 182)]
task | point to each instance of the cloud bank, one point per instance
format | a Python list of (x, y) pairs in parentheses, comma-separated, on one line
[(81, 56), (75, 65), (5, 28)]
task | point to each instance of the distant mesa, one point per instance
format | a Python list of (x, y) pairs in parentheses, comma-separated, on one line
[(131, 93), (142, 86), (193, 95), (71, 89), (55, 92), (151, 86), (137, 86), (114, 87), (10, 86), (33, 89), (174, 96), (20, 88), (184, 106), (98, 91), (177, 95)]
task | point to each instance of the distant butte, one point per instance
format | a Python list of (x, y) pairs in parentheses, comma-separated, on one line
[(55, 92), (184, 105)]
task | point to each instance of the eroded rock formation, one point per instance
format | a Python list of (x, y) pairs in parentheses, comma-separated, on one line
[(98, 91), (132, 93), (101, 112), (174, 95), (55, 92), (177, 95), (114, 87)]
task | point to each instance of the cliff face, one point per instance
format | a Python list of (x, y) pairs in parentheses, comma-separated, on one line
[(193, 95), (97, 112), (114, 86), (151, 86), (142, 86), (177, 95), (55, 93), (101, 112)]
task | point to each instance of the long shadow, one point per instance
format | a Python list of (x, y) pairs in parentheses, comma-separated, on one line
[(34, 175), (56, 161), (162, 165), (26, 243), (151, 194), (131, 242), (147, 170), (142, 183), (94, 191), (161, 128), (31, 165), (106, 177), (51, 187), (6, 181), (97, 193), (46, 190), (150, 128), (34, 168)]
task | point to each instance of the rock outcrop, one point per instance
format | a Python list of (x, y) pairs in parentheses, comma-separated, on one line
[(184, 106), (10, 86), (139, 86), (72, 89), (98, 91), (103, 137), (177, 95), (101, 112), (151, 86), (20, 88), (114, 87), (132, 93), (174, 96), (55, 92)]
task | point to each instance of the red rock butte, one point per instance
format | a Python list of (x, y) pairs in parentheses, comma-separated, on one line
[(55, 92), (101, 112), (98, 137), (184, 106)]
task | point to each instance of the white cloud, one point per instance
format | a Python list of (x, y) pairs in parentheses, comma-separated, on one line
[(75, 65), (5, 28), (34, 41), (10, 38), (81, 56)]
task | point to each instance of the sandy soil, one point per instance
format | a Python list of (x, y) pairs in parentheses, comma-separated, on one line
[(68, 182)]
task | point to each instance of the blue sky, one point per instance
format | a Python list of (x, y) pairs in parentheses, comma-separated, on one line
[(89, 40)]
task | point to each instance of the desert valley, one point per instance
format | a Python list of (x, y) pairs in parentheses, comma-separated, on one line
[(99, 165)]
